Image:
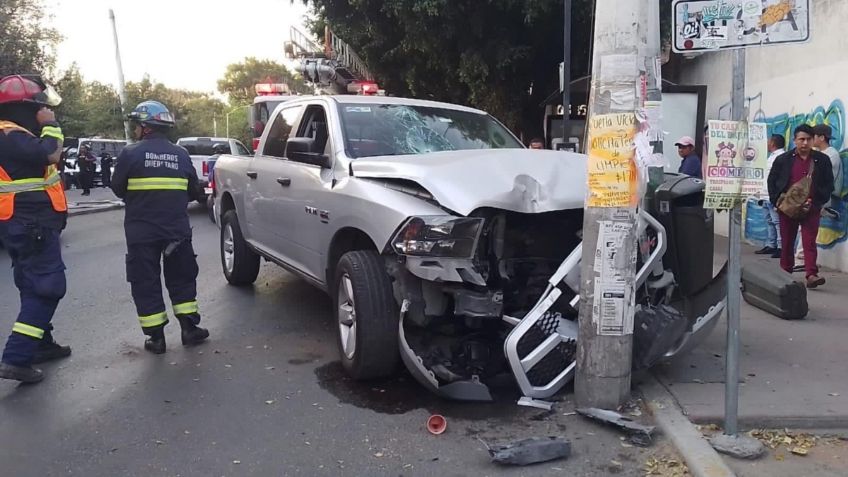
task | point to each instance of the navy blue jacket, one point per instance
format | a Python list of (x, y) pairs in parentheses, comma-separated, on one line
[(155, 214), (691, 165), (24, 157)]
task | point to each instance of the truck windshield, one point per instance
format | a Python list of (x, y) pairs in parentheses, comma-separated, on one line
[(394, 129)]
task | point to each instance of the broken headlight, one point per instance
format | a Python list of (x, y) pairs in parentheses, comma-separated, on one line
[(438, 236)]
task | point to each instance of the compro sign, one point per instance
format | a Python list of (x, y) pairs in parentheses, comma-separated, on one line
[(736, 162), (709, 25)]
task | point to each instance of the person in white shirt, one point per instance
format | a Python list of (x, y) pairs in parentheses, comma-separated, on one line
[(822, 134), (776, 145)]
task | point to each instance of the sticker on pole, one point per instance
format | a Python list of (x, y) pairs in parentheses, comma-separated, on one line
[(736, 162), (709, 25), (612, 167)]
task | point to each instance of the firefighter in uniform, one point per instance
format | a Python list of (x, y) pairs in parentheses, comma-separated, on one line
[(33, 211), (157, 181)]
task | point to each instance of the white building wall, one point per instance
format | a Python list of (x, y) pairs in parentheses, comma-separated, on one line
[(788, 85)]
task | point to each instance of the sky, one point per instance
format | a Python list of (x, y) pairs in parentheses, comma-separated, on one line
[(184, 44)]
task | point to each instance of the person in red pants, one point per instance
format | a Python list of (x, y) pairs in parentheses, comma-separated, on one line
[(788, 169)]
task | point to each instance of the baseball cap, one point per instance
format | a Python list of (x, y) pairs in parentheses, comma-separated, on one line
[(823, 130), (685, 141)]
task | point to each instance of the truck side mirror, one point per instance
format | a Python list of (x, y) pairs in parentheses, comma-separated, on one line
[(302, 149)]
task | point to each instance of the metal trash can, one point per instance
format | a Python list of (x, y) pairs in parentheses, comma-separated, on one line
[(679, 203)]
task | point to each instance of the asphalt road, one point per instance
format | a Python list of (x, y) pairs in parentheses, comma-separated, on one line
[(265, 396)]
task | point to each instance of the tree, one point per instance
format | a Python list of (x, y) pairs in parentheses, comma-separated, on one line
[(88, 108), (94, 109), (26, 43), (500, 56), (195, 112), (240, 79)]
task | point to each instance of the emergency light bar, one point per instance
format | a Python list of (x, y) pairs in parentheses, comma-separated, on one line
[(265, 89), (365, 88)]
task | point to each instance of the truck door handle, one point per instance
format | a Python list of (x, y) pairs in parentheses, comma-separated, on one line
[(252, 174), (284, 181)]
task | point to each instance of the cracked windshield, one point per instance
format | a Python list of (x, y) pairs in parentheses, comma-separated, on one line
[(394, 130)]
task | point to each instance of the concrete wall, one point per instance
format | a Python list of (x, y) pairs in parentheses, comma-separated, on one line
[(786, 86)]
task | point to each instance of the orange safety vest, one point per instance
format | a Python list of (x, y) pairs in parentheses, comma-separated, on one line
[(51, 183)]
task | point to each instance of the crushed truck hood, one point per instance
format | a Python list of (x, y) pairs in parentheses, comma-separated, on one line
[(519, 180)]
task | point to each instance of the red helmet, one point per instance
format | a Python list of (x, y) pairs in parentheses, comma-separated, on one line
[(27, 89)]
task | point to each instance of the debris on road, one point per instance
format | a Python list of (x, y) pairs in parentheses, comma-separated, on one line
[(436, 424), (537, 403), (667, 467), (638, 434), (530, 451)]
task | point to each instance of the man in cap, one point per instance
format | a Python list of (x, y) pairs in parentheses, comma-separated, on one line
[(691, 163)]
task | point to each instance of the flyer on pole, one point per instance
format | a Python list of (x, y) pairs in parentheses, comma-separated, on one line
[(736, 162)]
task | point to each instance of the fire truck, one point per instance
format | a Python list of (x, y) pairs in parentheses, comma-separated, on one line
[(333, 68)]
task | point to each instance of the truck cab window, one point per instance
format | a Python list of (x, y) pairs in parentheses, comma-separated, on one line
[(314, 125), (275, 142)]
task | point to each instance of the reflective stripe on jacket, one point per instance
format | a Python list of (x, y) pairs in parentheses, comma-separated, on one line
[(50, 183)]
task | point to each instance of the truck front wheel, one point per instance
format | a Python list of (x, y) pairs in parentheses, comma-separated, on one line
[(240, 263), (367, 316)]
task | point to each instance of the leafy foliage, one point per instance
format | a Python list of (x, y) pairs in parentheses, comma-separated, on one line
[(240, 78), (26, 44), (498, 55), (94, 109)]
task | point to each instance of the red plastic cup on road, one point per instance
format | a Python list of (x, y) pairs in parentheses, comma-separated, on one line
[(436, 424)]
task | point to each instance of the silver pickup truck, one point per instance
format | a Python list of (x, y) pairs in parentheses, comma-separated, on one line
[(447, 245)]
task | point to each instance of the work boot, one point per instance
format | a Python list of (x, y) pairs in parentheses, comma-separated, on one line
[(815, 281), (24, 374), (49, 350), (155, 342), (191, 334)]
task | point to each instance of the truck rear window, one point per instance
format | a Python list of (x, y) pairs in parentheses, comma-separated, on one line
[(202, 148)]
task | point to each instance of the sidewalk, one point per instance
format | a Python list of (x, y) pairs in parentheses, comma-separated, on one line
[(101, 199), (793, 373)]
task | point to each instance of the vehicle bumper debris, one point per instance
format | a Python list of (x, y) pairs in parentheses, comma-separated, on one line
[(638, 434), (531, 451)]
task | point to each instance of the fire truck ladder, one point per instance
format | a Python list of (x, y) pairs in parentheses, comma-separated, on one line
[(335, 65), (346, 57)]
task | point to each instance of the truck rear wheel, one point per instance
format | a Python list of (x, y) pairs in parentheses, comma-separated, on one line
[(367, 316), (240, 263)]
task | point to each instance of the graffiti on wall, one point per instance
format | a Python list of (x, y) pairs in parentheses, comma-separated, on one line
[(831, 231)]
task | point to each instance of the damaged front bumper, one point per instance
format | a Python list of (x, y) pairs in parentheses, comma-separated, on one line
[(539, 348)]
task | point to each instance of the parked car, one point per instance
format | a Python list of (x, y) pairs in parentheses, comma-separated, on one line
[(201, 149), (447, 245)]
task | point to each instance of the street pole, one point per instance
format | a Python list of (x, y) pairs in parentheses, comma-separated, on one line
[(215, 127), (605, 338), (734, 268), (121, 91), (566, 71)]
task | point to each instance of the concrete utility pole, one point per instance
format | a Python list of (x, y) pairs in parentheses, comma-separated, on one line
[(121, 92), (605, 342)]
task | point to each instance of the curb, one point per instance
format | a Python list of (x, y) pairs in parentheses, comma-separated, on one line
[(836, 422), (93, 210), (700, 457)]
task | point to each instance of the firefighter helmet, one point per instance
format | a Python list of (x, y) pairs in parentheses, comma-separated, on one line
[(27, 89), (152, 113)]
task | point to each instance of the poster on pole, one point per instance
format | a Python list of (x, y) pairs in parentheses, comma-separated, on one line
[(611, 166), (736, 162), (709, 25), (612, 310)]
